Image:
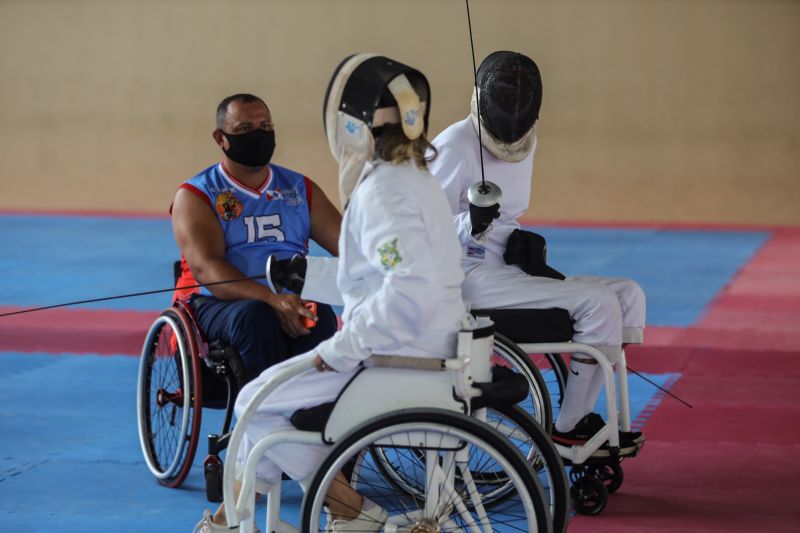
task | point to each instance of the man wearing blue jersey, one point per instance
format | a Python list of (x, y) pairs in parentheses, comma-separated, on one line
[(233, 215)]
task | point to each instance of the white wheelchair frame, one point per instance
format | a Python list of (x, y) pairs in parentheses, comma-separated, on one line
[(388, 381), (617, 403)]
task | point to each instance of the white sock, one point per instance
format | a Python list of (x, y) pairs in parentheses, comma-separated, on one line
[(573, 408), (593, 392)]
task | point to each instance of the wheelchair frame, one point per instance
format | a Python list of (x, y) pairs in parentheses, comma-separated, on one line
[(593, 477), (462, 370)]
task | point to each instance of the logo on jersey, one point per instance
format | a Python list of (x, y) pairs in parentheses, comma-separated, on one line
[(228, 206), (390, 257), (291, 197)]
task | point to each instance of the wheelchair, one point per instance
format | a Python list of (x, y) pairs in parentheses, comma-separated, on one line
[(180, 372), (542, 335), (436, 460)]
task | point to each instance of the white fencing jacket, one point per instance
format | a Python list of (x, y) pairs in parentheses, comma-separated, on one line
[(457, 167), (399, 276), (399, 272), (594, 302)]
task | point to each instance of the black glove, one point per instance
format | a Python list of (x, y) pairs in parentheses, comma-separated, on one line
[(286, 273), (481, 217)]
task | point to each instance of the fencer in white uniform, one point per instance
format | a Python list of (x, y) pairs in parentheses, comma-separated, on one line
[(400, 280), (398, 270), (608, 312)]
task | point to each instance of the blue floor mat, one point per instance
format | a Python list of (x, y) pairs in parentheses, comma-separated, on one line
[(681, 271), (70, 458)]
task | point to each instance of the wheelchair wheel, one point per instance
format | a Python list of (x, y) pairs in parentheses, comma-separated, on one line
[(589, 495), (611, 474), (522, 430), (454, 445), (213, 470), (538, 403), (525, 434), (168, 398), (555, 372)]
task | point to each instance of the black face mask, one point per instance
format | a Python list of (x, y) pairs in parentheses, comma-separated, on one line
[(251, 149)]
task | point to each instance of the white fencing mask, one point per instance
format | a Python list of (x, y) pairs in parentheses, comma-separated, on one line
[(366, 92)]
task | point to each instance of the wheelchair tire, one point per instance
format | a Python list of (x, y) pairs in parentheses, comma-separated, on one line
[(522, 430), (538, 403), (557, 365), (169, 402), (449, 439), (213, 470)]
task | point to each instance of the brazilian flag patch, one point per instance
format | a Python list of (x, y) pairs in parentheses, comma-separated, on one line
[(390, 257)]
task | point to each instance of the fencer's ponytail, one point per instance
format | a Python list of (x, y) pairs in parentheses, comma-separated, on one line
[(392, 145)]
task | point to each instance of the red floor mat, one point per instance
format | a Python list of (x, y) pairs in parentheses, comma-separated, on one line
[(75, 331), (732, 463)]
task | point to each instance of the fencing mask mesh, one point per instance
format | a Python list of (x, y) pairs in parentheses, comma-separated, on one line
[(510, 95), (510, 91)]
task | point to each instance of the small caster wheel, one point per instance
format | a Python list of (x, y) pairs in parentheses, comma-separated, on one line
[(589, 495), (213, 470), (611, 475)]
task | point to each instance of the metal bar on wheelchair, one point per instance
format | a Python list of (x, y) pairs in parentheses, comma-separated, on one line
[(608, 372), (245, 506), (406, 362)]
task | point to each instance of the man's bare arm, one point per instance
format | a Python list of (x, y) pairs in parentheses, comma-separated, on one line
[(326, 221)]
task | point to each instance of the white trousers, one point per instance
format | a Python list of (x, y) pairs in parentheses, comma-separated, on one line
[(607, 311), (309, 389)]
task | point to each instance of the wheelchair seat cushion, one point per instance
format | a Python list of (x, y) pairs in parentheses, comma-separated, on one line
[(507, 388), (531, 325)]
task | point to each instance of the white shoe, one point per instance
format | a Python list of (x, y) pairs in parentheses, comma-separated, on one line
[(370, 520), (207, 525)]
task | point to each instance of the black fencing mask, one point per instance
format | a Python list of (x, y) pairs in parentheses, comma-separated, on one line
[(510, 88)]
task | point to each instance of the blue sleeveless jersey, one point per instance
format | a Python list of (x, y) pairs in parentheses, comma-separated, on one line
[(271, 220)]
